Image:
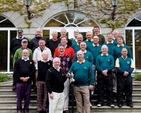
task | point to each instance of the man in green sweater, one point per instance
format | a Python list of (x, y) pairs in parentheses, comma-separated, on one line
[(125, 67), (84, 81), (104, 66)]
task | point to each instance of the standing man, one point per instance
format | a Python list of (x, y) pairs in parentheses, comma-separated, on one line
[(87, 55), (97, 33), (84, 80), (65, 65), (24, 71), (89, 38), (76, 46), (16, 42), (104, 66), (42, 94), (63, 33), (52, 43), (18, 54), (116, 51), (37, 56), (68, 50), (34, 43), (55, 79), (110, 43), (74, 40), (115, 35), (125, 67), (95, 48)]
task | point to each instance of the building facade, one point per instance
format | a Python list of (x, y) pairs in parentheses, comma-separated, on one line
[(69, 14)]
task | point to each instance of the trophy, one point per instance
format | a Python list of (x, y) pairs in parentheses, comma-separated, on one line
[(72, 75)]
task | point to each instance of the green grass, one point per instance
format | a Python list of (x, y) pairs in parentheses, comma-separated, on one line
[(4, 77), (137, 76)]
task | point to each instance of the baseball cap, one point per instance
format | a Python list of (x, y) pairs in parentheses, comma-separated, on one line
[(24, 40), (20, 30)]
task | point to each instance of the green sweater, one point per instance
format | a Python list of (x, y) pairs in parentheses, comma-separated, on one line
[(76, 47), (95, 50), (88, 43), (83, 73), (73, 41), (110, 46), (18, 54), (124, 65), (87, 56), (116, 51), (105, 62)]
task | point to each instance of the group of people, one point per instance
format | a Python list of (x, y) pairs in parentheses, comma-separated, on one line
[(51, 65)]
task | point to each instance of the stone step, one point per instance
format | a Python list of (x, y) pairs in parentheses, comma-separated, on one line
[(94, 109)]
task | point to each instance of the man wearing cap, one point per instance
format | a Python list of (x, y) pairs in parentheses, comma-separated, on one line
[(18, 53), (16, 42)]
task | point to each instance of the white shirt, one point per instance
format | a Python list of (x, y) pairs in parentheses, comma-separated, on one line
[(37, 55)]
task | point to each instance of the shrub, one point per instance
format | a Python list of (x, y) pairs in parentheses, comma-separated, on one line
[(4, 77), (137, 76)]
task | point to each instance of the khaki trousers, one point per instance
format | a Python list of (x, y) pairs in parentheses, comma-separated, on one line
[(56, 104), (82, 99)]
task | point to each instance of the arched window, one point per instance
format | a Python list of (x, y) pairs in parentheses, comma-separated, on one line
[(133, 40), (7, 32), (69, 20)]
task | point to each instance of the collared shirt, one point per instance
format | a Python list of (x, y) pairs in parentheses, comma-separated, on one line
[(89, 40), (84, 51), (37, 55), (58, 69), (120, 45), (80, 62), (19, 38), (110, 42), (104, 55), (95, 45), (25, 59)]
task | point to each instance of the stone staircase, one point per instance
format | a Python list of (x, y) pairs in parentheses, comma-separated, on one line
[(8, 101)]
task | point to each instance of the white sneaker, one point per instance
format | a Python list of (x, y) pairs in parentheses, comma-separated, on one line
[(90, 105), (112, 105), (98, 105)]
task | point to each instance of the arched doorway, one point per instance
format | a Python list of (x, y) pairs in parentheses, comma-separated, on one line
[(133, 40), (7, 32), (69, 20)]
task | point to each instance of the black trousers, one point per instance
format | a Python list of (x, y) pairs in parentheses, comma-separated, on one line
[(124, 86), (101, 83)]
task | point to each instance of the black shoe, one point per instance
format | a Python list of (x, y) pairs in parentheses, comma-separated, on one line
[(39, 111), (14, 88), (130, 105), (120, 105)]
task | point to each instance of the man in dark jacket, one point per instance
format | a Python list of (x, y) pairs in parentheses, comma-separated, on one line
[(23, 70), (55, 79)]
